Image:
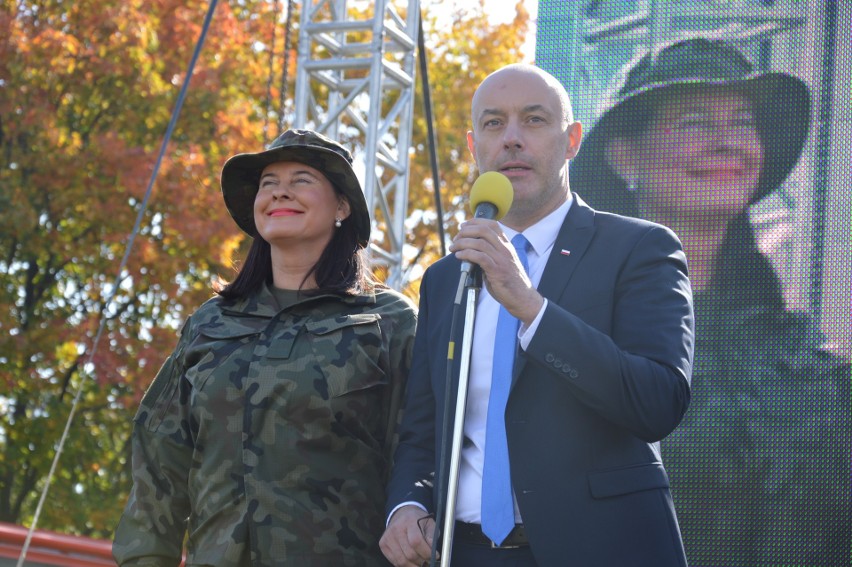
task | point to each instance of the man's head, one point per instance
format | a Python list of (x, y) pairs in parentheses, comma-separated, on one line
[(523, 127)]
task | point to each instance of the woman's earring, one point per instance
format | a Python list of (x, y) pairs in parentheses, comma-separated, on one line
[(338, 223)]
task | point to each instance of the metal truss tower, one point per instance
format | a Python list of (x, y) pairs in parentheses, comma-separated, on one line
[(355, 83)]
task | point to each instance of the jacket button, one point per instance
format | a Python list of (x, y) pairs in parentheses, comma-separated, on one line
[(573, 373), (557, 363), (548, 358)]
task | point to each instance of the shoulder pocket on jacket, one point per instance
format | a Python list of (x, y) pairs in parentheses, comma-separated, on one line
[(159, 396)]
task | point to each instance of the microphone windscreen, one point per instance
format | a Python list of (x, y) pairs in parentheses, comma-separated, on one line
[(495, 188)]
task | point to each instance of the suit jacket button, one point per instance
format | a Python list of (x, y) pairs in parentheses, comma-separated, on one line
[(548, 358), (573, 373), (557, 363)]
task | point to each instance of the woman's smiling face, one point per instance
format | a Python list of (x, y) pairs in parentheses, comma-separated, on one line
[(296, 203), (701, 153)]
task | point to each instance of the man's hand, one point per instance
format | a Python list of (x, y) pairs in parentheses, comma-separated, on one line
[(482, 242), (403, 543)]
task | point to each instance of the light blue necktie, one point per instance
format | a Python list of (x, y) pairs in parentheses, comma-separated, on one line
[(498, 508)]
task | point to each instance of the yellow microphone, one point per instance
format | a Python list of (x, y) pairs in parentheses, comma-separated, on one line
[(490, 198)]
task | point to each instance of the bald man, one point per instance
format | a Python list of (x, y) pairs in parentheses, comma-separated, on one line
[(600, 369)]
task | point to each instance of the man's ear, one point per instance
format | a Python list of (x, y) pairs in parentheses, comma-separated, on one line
[(471, 147), (620, 154), (575, 136)]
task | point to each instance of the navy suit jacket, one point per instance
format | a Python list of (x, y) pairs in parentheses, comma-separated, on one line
[(604, 379)]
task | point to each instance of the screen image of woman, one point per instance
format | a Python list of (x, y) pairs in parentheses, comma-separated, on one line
[(760, 466)]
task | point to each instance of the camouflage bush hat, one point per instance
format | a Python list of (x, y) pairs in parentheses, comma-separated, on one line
[(782, 106), (241, 176)]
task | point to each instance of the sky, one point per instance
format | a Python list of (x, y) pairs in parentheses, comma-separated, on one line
[(502, 11)]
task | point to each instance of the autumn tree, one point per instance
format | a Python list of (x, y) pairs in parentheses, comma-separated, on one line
[(86, 92), (460, 56)]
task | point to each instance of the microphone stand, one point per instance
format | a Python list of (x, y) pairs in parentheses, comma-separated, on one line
[(473, 283)]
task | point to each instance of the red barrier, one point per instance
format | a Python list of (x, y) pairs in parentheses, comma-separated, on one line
[(51, 548)]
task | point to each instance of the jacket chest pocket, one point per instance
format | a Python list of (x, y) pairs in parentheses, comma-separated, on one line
[(348, 351), (214, 351)]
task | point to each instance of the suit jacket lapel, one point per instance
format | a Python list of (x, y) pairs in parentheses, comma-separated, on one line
[(571, 244), (573, 238)]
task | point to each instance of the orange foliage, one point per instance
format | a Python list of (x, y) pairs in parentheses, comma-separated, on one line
[(86, 93)]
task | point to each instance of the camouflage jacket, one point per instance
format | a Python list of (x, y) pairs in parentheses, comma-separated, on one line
[(265, 437)]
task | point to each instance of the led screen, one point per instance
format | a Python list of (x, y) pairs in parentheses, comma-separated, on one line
[(727, 121)]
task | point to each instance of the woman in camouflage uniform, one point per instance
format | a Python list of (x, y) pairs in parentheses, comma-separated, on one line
[(760, 465), (265, 437)]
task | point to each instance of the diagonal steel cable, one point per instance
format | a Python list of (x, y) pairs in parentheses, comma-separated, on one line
[(111, 294)]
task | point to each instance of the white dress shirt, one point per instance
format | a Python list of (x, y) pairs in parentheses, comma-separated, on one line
[(541, 237)]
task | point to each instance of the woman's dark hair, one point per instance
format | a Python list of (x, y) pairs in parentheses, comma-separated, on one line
[(743, 277), (591, 174), (340, 268)]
